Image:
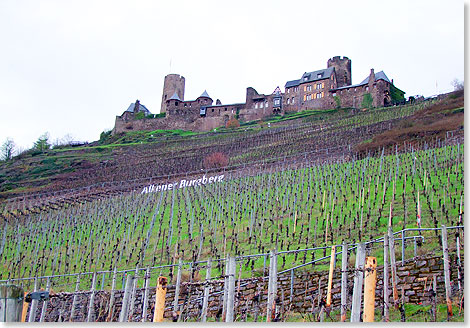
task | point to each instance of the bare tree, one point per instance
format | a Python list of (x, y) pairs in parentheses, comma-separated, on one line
[(7, 150), (64, 141), (458, 85)]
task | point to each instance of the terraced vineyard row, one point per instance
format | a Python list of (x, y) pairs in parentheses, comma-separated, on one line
[(292, 208)]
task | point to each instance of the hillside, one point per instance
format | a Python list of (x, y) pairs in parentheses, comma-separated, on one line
[(299, 184), (127, 157)]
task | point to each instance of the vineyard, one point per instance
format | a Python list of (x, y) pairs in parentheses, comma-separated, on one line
[(299, 187)]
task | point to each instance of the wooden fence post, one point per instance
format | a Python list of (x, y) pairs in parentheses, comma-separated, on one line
[(272, 285), (403, 241), (445, 251), (292, 278), (459, 264), (434, 299), (75, 298), (92, 299), (344, 281), (133, 293), (125, 300), (177, 289), (391, 243), (111, 300), (160, 299), (224, 303), (358, 281), (370, 281), (44, 305), (34, 304), (205, 301), (146, 295), (11, 303), (330, 277), (386, 293), (25, 308), (231, 290)]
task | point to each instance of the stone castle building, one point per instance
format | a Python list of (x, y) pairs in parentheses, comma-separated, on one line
[(322, 89)]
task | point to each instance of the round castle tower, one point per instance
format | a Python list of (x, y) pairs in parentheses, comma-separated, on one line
[(343, 70), (173, 83)]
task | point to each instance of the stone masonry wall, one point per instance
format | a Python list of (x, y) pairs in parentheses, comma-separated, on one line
[(411, 276)]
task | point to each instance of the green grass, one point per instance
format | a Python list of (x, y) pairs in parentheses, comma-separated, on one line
[(277, 192)]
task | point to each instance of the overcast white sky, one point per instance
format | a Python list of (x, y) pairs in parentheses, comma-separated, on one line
[(69, 67)]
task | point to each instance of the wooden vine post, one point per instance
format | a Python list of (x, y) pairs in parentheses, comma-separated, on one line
[(344, 280), (123, 316), (445, 250), (146, 293), (34, 304), (370, 281), (177, 289), (386, 317), (25, 308), (206, 291), (75, 298), (231, 290), (358, 282), (330, 277), (160, 299), (92, 299), (44, 304), (391, 243), (272, 286), (112, 298)]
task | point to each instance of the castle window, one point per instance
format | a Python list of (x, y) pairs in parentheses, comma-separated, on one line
[(256, 105), (261, 105), (176, 103), (306, 78), (266, 104), (288, 90), (288, 101), (367, 88), (319, 75), (212, 110), (292, 100), (225, 108), (334, 94)]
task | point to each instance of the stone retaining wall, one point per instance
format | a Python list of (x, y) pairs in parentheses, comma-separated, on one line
[(411, 276)]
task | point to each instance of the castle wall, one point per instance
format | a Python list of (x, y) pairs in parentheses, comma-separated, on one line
[(353, 97), (222, 110)]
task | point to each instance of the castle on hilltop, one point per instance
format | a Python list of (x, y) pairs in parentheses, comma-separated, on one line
[(322, 89)]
